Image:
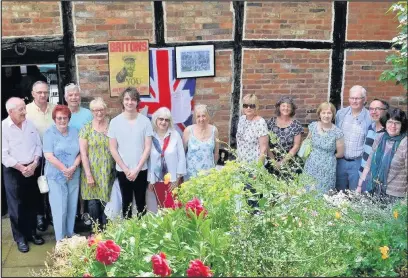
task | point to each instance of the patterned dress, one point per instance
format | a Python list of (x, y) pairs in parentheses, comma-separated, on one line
[(101, 163), (321, 164), (200, 154)]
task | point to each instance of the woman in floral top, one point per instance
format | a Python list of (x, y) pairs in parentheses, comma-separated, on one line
[(288, 132), (252, 134)]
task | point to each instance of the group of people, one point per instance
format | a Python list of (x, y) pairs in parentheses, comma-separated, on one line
[(355, 148), (81, 152)]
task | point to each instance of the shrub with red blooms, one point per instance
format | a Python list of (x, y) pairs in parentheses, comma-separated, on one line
[(196, 207), (87, 275), (196, 268), (160, 265), (107, 252)]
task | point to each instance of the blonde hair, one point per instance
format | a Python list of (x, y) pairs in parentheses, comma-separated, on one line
[(325, 105), (162, 112), (251, 99), (97, 103), (200, 108)]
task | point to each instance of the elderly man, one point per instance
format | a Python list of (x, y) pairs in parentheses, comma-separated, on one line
[(354, 121), (21, 151), (39, 112), (378, 108), (79, 117)]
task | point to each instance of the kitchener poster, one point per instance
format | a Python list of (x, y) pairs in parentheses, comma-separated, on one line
[(128, 66)]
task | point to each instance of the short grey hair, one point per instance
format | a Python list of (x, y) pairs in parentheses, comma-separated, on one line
[(71, 87), (361, 88), (11, 103), (38, 83), (162, 112), (97, 102)]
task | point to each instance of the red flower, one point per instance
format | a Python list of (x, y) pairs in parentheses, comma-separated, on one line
[(107, 252), (196, 207), (87, 275), (177, 204), (94, 240), (198, 269), (160, 265)]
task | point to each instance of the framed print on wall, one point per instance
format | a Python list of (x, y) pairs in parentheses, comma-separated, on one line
[(195, 61), (128, 66)]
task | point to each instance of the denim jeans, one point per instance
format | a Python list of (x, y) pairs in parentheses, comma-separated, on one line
[(347, 174), (63, 197)]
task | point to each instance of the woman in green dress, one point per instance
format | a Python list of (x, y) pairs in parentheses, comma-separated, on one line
[(98, 171)]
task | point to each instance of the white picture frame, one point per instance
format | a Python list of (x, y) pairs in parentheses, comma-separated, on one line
[(195, 61)]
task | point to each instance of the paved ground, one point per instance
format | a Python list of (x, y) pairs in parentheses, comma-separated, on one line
[(17, 264)]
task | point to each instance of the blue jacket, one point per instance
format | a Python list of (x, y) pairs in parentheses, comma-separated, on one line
[(366, 119)]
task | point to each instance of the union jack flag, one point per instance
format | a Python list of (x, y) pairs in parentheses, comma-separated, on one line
[(166, 90)]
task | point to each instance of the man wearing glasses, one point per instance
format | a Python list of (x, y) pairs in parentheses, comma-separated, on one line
[(377, 109), (354, 121), (39, 112)]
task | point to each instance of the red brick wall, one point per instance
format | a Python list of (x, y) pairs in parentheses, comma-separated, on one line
[(21, 19), (364, 68), (369, 21), (302, 74), (198, 21), (215, 92), (98, 22), (288, 20)]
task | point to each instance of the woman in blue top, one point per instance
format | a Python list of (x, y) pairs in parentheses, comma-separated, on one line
[(61, 150), (201, 142)]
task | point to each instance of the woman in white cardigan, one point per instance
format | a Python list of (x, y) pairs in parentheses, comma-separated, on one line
[(167, 157)]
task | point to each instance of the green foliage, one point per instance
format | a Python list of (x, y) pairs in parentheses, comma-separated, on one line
[(399, 61), (296, 233)]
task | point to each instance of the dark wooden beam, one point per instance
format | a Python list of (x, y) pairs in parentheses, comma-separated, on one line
[(274, 44), (337, 59), (239, 8), (68, 39), (159, 23)]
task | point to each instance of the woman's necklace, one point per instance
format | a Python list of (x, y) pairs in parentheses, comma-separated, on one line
[(325, 130)]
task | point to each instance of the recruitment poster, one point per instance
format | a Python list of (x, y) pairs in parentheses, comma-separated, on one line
[(129, 66)]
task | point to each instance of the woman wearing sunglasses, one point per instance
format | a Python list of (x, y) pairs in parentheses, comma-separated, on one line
[(288, 132), (166, 156), (201, 142), (385, 173)]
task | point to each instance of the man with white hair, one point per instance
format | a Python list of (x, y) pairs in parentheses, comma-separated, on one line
[(21, 151), (354, 121), (79, 117), (39, 112)]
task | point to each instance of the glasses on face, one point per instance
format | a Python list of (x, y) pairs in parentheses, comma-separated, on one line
[(163, 119), (396, 123), (42, 92), (376, 109), (98, 110), (61, 118), (355, 98), (245, 105)]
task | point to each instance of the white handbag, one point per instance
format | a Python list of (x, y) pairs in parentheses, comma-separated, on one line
[(42, 182)]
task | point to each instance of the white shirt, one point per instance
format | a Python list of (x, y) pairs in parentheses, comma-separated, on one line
[(174, 155), (19, 145)]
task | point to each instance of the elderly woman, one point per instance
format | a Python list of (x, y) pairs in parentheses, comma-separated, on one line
[(288, 132), (201, 142), (98, 166), (385, 173), (61, 150), (252, 137), (252, 133), (327, 145), (167, 156)]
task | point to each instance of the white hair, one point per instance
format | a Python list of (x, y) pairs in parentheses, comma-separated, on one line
[(71, 87), (162, 112), (97, 103), (361, 88), (38, 83), (11, 103)]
